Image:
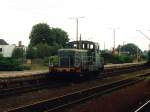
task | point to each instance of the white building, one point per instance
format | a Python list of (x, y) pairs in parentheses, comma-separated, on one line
[(5, 49)]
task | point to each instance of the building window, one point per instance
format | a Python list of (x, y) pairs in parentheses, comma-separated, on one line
[(0, 49)]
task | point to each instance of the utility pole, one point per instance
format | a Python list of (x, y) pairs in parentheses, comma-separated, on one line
[(77, 22), (104, 45), (123, 43), (123, 47), (114, 30), (114, 38), (137, 54)]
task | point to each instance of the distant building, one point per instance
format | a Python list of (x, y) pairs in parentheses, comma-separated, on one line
[(3, 42), (22, 46), (5, 49)]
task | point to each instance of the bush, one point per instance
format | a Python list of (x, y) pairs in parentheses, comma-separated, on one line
[(121, 59), (1, 55), (116, 59), (18, 53), (9, 64), (51, 59)]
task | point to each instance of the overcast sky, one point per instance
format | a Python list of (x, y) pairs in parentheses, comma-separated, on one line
[(18, 16)]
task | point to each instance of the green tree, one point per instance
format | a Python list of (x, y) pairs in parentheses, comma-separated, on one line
[(60, 37), (18, 53), (131, 49), (43, 50), (110, 58), (54, 49), (45, 41), (40, 34), (1, 55), (31, 52), (148, 55)]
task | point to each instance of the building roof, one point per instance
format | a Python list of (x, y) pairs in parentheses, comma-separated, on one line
[(3, 42)]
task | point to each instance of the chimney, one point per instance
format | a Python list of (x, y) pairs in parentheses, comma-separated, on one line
[(19, 44)]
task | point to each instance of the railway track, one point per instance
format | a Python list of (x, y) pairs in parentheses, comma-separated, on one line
[(144, 108), (47, 83), (24, 89), (117, 71), (63, 102)]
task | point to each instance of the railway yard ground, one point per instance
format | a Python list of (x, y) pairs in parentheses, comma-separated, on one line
[(124, 99)]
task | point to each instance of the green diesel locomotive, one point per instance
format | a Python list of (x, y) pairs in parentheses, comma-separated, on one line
[(79, 58)]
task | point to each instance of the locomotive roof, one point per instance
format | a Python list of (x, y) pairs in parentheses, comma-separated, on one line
[(70, 49), (87, 45), (82, 41)]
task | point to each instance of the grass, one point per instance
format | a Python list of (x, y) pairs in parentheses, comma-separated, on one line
[(38, 67)]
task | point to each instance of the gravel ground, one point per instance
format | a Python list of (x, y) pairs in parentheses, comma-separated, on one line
[(123, 100), (32, 97)]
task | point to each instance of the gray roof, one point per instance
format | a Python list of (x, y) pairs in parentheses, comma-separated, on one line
[(3, 42)]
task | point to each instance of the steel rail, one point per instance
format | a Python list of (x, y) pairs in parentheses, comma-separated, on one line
[(51, 84), (144, 108), (24, 89), (63, 102)]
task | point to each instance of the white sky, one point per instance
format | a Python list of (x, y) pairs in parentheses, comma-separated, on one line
[(18, 16)]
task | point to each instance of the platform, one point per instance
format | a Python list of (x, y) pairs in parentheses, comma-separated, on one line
[(8, 75)]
